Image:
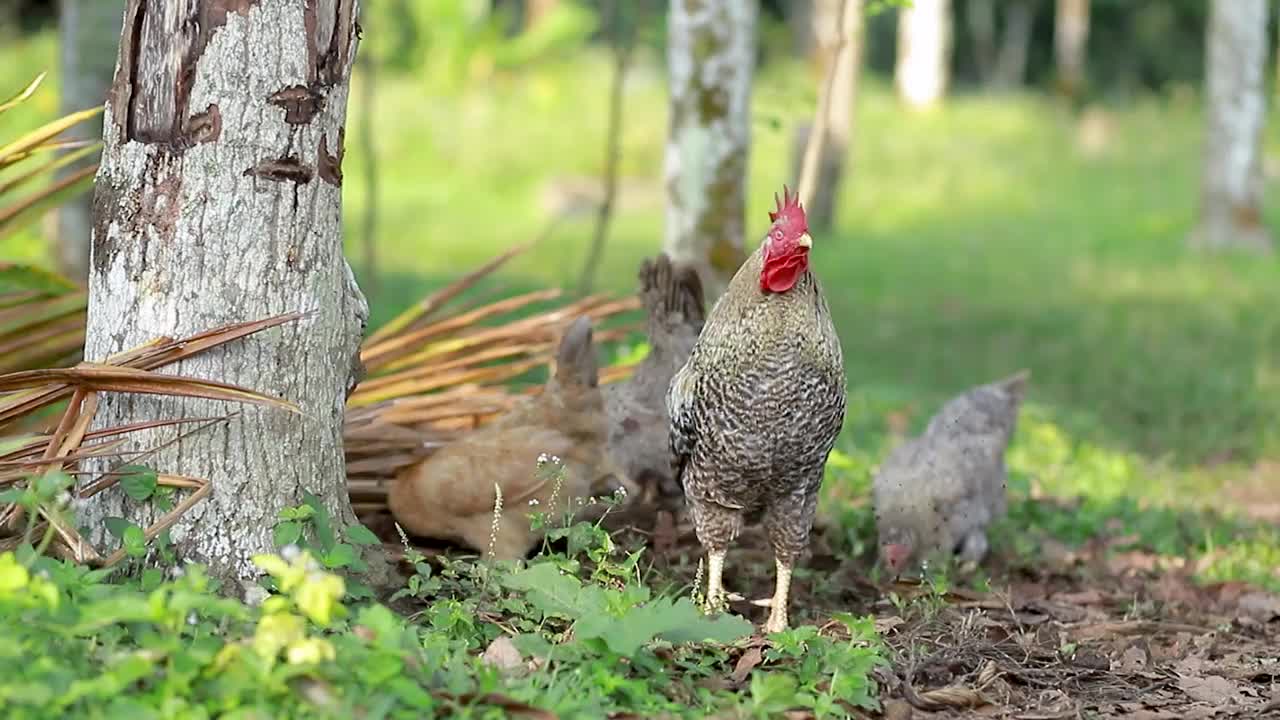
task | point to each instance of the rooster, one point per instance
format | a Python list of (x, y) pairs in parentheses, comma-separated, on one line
[(638, 421), (938, 493), (757, 408)]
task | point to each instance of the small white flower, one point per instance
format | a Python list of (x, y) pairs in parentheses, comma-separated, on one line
[(533, 501)]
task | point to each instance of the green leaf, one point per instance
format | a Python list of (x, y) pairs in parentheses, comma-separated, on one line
[(287, 533), (135, 543), (676, 621), (555, 593), (52, 483), (341, 555), (116, 526), (320, 521), (361, 535), (140, 483)]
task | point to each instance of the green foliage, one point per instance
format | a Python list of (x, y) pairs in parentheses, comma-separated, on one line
[(334, 554), (447, 43)]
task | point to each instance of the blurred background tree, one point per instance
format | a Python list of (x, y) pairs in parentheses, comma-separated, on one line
[(89, 33)]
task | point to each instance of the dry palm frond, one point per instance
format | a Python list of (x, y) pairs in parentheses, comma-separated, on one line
[(433, 375), (71, 442), (41, 318)]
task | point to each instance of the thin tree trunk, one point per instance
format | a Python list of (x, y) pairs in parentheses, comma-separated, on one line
[(847, 59), (1070, 37), (710, 58), (799, 14), (981, 18), (1235, 113), (1011, 63), (535, 11), (924, 53), (89, 33), (219, 200), (623, 46)]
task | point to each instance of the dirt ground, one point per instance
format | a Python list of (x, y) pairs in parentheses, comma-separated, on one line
[(1086, 634), (1079, 634)]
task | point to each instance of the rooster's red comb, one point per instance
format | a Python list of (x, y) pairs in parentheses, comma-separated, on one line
[(788, 205)]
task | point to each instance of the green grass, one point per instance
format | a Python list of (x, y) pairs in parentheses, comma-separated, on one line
[(971, 242)]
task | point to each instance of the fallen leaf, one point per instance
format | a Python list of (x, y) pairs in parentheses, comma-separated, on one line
[(502, 654), (897, 710), (749, 660), (885, 624), (1083, 597), (1213, 689), (1132, 660)]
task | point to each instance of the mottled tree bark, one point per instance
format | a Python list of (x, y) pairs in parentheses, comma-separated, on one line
[(710, 58), (89, 35), (847, 59), (1070, 37), (219, 200), (1235, 112), (924, 53)]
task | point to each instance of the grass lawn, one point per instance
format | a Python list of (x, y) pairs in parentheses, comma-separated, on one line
[(971, 242)]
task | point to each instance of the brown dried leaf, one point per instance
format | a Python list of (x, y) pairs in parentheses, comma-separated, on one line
[(746, 663), (1213, 689), (502, 654)]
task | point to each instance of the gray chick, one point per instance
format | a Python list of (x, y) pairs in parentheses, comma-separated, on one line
[(938, 493)]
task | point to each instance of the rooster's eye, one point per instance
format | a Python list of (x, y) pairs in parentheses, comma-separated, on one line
[(777, 234)]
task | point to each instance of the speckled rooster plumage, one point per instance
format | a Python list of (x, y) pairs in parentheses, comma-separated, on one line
[(757, 408)]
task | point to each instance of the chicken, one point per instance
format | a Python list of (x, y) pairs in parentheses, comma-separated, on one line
[(450, 495), (757, 408), (638, 420), (939, 492)]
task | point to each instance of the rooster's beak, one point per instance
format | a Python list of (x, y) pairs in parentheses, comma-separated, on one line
[(805, 241)]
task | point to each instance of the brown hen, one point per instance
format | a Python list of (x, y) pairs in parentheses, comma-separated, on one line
[(757, 408), (451, 495)]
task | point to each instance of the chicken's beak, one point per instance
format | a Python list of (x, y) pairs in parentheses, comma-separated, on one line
[(805, 241)]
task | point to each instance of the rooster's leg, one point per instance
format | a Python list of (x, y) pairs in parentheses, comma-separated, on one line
[(715, 579), (788, 522), (777, 621)]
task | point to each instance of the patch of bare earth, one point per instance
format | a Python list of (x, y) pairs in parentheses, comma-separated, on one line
[(1086, 634)]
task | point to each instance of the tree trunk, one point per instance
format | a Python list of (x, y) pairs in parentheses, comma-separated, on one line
[(821, 208), (799, 14), (1011, 63), (1235, 112), (219, 200), (981, 18), (924, 52), (1070, 36), (89, 36), (710, 58), (535, 11)]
